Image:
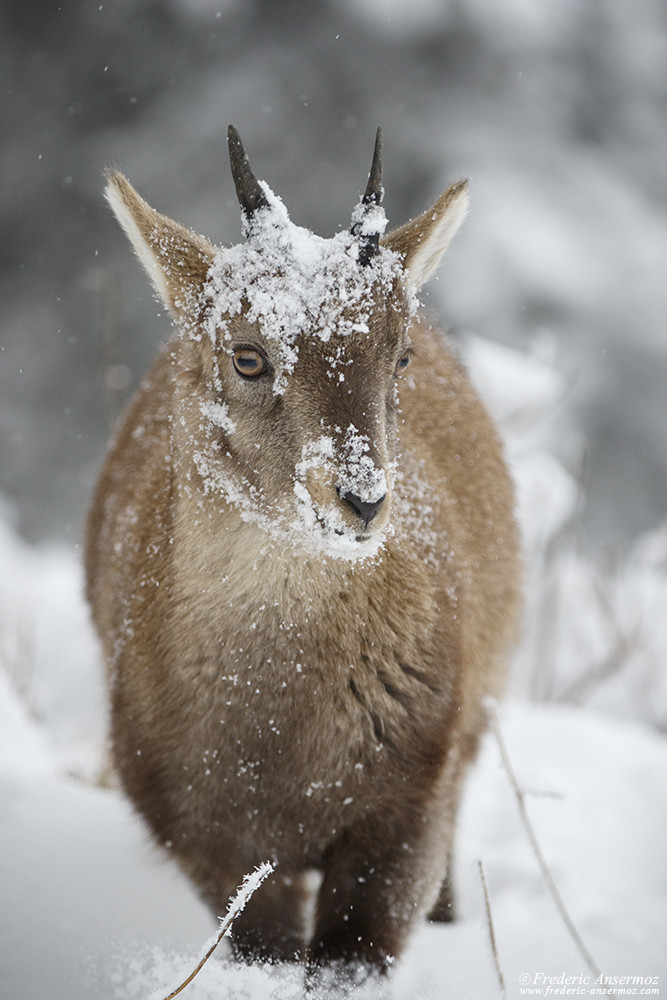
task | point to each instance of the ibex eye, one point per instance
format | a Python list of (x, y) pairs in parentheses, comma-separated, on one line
[(403, 362), (249, 363)]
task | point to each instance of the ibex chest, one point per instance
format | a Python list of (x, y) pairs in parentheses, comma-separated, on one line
[(306, 674)]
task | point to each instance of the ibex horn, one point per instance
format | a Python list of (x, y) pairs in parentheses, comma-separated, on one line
[(374, 191), (250, 195), (369, 243)]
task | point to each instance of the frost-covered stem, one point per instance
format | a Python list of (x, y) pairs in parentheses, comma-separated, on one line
[(249, 885), (537, 850), (492, 936)]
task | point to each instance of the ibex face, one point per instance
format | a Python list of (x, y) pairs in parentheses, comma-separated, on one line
[(289, 365)]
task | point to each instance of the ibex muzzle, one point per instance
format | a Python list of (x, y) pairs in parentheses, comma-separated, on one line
[(302, 563)]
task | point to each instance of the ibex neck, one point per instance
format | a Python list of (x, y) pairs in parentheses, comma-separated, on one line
[(242, 559)]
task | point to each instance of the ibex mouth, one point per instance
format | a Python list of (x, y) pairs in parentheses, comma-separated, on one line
[(342, 534), (358, 538)]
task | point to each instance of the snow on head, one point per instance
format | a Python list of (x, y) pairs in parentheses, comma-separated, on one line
[(291, 287), (293, 283), (368, 220)]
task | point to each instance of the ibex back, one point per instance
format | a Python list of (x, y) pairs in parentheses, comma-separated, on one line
[(302, 563)]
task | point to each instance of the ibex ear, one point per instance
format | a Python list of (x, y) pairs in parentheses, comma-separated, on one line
[(176, 259), (422, 241)]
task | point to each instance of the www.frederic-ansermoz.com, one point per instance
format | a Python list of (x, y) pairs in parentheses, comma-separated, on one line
[(538, 984)]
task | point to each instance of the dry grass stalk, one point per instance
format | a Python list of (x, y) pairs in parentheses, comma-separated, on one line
[(492, 935), (250, 884)]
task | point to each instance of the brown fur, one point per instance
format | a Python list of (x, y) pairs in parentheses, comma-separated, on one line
[(268, 702)]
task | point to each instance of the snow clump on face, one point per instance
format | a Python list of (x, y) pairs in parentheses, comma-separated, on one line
[(292, 283), (358, 473), (323, 524)]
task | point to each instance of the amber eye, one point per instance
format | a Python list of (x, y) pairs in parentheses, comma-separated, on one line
[(403, 363), (249, 363)]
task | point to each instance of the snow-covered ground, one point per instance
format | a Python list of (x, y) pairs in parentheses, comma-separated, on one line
[(90, 909)]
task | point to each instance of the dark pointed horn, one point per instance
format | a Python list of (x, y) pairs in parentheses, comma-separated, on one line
[(369, 242), (250, 195), (374, 190)]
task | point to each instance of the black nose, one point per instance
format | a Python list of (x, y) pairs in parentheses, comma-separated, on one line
[(364, 509)]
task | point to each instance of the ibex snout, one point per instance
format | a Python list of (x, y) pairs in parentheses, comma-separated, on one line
[(343, 490)]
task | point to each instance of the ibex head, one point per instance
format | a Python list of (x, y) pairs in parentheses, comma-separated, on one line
[(291, 345)]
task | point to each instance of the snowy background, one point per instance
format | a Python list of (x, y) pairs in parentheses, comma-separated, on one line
[(555, 290)]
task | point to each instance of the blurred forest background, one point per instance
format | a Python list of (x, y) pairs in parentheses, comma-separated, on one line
[(556, 109)]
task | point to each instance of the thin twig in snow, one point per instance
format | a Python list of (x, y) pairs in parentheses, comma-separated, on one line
[(250, 884), (492, 936), (537, 850)]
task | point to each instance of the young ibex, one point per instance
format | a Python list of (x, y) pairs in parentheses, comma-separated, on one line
[(302, 563)]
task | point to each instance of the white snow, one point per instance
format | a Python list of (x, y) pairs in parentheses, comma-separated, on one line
[(92, 910), (292, 282), (358, 472), (218, 414), (309, 527)]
